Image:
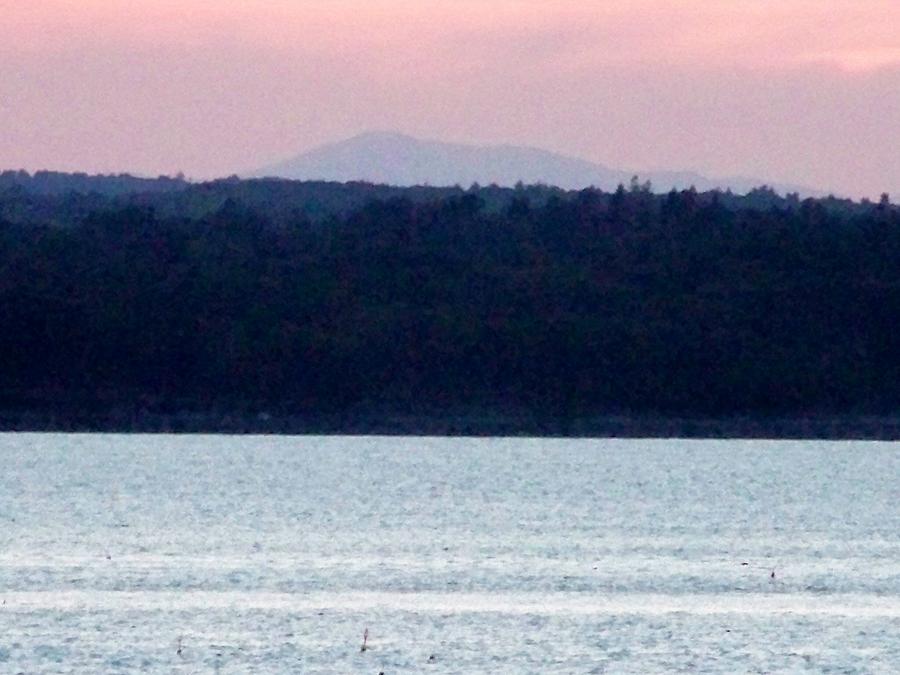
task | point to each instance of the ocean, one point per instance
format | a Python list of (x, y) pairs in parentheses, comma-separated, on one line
[(243, 554)]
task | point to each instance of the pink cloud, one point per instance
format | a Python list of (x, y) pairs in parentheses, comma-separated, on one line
[(749, 32), (858, 60)]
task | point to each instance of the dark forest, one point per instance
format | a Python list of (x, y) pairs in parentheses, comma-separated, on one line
[(526, 309)]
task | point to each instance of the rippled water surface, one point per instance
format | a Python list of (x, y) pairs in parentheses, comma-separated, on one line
[(200, 554)]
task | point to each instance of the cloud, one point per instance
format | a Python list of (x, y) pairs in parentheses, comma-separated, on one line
[(745, 32), (857, 60)]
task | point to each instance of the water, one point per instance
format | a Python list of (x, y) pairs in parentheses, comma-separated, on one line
[(169, 554)]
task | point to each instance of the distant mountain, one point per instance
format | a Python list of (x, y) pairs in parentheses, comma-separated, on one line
[(59, 183), (396, 159)]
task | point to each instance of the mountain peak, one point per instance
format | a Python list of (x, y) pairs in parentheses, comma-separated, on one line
[(393, 158)]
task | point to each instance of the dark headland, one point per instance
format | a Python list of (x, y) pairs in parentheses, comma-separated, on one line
[(273, 306)]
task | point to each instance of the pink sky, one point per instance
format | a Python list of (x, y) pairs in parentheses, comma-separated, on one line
[(803, 91)]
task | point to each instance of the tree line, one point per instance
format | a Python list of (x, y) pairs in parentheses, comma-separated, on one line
[(316, 298)]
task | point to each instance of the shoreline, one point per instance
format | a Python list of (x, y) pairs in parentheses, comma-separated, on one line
[(811, 427)]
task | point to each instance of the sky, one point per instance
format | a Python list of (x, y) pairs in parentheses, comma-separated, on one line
[(791, 91)]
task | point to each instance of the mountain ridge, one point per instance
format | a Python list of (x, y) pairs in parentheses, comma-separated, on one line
[(394, 158)]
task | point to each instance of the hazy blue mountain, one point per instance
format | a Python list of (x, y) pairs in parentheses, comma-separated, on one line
[(60, 183), (396, 159)]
